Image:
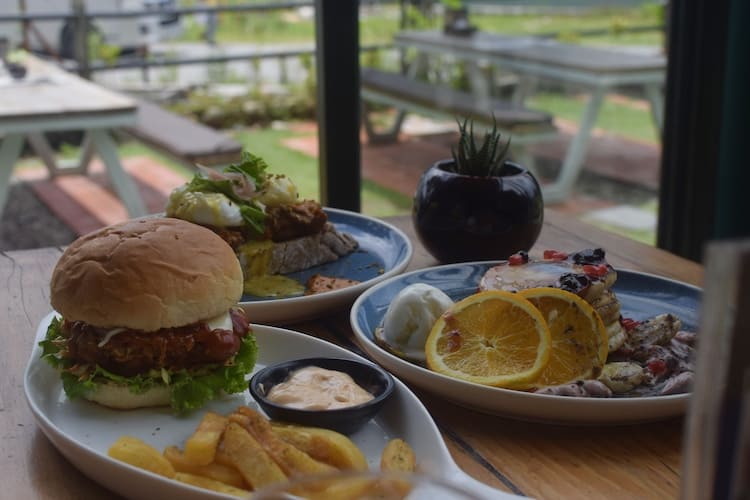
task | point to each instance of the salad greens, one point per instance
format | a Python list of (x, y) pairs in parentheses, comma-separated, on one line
[(189, 390), (254, 169)]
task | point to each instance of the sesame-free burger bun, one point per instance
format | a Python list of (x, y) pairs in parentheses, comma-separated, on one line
[(146, 274)]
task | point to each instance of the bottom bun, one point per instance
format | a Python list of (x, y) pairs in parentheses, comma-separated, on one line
[(121, 397)]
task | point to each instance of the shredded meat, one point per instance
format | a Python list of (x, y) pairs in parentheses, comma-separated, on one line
[(579, 388), (132, 352)]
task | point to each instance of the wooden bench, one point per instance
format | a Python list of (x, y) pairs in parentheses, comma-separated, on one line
[(181, 138), (523, 125)]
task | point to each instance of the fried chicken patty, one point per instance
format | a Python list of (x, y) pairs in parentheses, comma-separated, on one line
[(133, 352), (283, 223)]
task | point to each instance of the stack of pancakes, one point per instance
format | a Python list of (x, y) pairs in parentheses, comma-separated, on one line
[(585, 273)]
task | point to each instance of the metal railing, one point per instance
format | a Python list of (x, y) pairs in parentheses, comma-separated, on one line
[(82, 21)]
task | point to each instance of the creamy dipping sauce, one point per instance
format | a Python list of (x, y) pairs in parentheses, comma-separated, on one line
[(315, 388)]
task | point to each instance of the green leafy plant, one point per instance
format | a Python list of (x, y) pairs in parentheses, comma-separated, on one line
[(483, 160), (99, 50), (453, 4)]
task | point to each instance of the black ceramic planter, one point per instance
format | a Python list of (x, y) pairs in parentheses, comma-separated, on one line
[(462, 218)]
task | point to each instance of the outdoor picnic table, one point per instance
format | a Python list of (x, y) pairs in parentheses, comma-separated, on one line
[(49, 99), (596, 70), (533, 459)]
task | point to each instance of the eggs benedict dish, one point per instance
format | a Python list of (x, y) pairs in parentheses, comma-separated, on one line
[(261, 217)]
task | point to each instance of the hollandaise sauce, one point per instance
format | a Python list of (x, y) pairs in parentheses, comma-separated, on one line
[(273, 285), (256, 258)]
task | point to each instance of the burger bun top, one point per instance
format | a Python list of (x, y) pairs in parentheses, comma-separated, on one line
[(146, 274)]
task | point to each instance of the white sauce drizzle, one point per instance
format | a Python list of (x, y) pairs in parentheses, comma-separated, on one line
[(109, 335)]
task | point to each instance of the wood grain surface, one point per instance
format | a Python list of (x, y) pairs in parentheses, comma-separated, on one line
[(537, 460), (47, 90)]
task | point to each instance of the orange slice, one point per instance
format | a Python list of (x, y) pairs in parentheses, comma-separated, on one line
[(579, 338), (493, 338)]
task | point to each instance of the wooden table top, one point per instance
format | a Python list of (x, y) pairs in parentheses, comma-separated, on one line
[(48, 91), (537, 460), (535, 50)]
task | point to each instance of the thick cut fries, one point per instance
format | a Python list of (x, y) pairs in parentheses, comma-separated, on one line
[(216, 471), (398, 456), (211, 484), (135, 452), (200, 448), (292, 461), (245, 451), (248, 456), (324, 445)]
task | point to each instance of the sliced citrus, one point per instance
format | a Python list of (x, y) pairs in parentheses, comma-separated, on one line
[(579, 338), (493, 338)]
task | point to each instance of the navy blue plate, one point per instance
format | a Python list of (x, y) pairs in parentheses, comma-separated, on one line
[(384, 251), (641, 296)]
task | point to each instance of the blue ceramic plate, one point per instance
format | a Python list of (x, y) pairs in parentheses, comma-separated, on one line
[(384, 251), (641, 296)]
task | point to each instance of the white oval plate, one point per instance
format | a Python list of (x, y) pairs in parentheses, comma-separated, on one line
[(641, 296), (83, 431), (384, 251)]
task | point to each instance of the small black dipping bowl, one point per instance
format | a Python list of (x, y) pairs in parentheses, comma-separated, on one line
[(370, 377)]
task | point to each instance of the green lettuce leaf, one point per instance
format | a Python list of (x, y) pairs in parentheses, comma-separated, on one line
[(251, 166), (189, 390)]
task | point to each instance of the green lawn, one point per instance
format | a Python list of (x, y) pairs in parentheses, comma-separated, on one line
[(380, 23), (267, 143), (627, 120), (303, 170)]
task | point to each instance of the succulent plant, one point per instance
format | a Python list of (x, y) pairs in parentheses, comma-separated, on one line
[(485, 160)]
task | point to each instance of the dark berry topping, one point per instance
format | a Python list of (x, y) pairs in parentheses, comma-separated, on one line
[(589, 256), (573, 282)]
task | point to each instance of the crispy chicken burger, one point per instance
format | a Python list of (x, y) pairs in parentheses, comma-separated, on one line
[(149, 317)]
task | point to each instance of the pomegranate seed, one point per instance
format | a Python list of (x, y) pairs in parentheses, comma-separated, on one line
[(629, 323), (657, 366), (555, 255), (518, 259), (597, 270)]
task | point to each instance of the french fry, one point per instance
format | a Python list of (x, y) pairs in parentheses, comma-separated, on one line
[(211, 484), (200, 448), (342, 489), (393, 489), (292, 461), (216, 471), (353, 488), (248, 456), (135, 452), (324, 445), (398, 456), (245, 451)]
